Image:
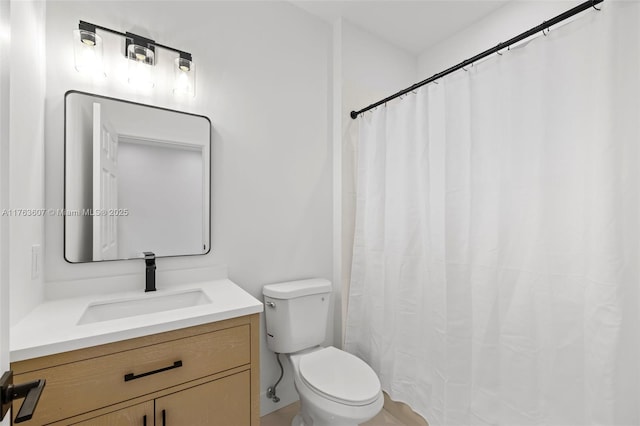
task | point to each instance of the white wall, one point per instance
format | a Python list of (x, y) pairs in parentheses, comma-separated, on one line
[(26, 129), (372, 69), (510, 20), (5, 104), (263, 80)]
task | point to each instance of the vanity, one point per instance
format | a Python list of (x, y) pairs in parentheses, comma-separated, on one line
[(195, 365)]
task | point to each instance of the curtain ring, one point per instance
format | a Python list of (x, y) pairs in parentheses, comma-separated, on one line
[(593, 4), (543, 33)]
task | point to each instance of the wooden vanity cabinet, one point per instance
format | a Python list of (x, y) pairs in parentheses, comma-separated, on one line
[(202, 375), (220, 402), (137, 415)]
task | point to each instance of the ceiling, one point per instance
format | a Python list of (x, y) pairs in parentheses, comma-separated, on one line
[(411, 25)]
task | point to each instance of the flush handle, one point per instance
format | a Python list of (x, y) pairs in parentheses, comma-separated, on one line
[(30, 391), (271, 304)]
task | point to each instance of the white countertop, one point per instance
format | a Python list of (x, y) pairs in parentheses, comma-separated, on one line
[(52, 326)]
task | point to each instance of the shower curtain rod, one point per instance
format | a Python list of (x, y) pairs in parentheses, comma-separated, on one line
[(496, 49)]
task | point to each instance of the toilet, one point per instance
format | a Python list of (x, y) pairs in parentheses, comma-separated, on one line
[(335, 387)]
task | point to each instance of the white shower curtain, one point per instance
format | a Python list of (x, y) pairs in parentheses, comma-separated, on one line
[(496, 267)]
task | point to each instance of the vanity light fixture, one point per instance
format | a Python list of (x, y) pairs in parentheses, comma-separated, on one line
[(141, 54)]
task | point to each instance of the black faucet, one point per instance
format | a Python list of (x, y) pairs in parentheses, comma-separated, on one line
[(150, 281)]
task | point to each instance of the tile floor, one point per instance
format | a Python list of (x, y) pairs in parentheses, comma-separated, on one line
[(283, 417)]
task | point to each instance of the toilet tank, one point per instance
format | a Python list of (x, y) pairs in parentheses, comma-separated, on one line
[(296, 314)]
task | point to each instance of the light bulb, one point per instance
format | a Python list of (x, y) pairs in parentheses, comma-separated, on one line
[(87, 50), (141, 61), (184, 77), (182, 83)]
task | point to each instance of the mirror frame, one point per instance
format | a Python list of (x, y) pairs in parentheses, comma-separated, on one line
[(64, 172)]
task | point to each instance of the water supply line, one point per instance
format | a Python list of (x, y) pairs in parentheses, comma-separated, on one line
[(271, 390)]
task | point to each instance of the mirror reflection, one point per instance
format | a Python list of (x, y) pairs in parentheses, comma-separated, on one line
[(136, 180)]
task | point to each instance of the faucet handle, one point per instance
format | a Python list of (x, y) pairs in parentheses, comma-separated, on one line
[(150, 273), (149, 258)]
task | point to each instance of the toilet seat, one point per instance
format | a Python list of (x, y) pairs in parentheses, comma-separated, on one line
[(339, 376)]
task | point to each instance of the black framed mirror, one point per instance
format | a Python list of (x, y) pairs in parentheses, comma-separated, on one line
[(137, 179)]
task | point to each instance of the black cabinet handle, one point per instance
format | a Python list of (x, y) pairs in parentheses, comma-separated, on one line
[(131, 376), (144, 420), (164, 418)]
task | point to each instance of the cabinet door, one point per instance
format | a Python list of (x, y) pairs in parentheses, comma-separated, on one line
[(222, 402), (138, 415)]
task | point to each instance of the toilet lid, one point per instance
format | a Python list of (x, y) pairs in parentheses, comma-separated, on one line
[(340, 376)]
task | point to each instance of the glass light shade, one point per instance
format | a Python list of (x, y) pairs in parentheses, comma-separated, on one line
[(141, 62), (184, 77), (87, 50)]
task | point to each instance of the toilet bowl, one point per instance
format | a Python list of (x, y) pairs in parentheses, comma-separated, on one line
[(335, 388)]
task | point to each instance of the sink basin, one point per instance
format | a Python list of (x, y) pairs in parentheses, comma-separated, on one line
[(145, 304)]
